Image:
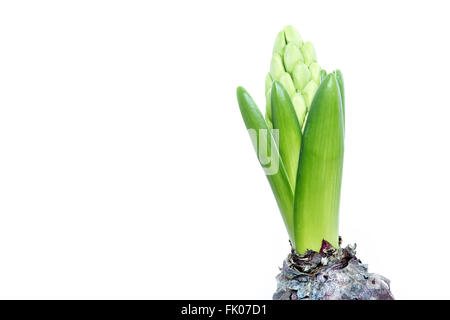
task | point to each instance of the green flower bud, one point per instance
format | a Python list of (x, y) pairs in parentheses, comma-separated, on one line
[(276, 67), (292, 56), (301, 76), (300, 107), (309, 92), (315, 72), (294, 65), (309, 54), (279, 44), (287, 83), (292, 36)]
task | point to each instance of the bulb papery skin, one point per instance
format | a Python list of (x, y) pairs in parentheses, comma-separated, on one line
[(294, 65), (331, 274)]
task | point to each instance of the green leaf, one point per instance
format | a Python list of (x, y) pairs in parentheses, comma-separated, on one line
[(278, 181), (284, 119), (340, 79), (323, 75), (318, 187)]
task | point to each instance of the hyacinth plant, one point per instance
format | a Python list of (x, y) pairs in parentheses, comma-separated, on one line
[(303, 132)]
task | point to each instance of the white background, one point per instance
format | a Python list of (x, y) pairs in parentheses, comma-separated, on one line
[(126, 170)]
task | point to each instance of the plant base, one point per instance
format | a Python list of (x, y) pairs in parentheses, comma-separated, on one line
[(331, 274)]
